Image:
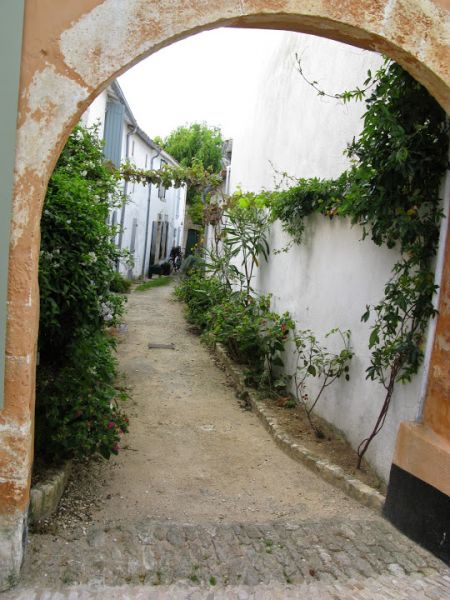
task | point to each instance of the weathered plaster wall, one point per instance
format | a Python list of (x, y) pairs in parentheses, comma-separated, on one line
[(71, 51)]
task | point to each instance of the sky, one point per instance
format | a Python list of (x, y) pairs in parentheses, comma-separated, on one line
[(202, 78)]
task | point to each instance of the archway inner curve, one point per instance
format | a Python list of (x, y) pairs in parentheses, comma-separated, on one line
[(72, 53)]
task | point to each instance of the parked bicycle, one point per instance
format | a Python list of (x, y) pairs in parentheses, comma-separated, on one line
[(176, 257)]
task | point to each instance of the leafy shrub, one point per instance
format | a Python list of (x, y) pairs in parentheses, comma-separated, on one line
[(314, 360), (77, 410), (78, 413), (200, 294), (219, 295), (120, 284), (189, 264), (78, 256), (251, 332)]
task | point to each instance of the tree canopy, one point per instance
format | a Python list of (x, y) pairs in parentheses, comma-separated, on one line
[(195, 143)]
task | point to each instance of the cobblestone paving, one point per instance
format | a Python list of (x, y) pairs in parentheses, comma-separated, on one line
[(343, 555), (379, 588)]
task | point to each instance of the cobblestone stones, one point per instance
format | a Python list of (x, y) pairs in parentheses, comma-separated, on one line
[(166, 553), (435, 587)]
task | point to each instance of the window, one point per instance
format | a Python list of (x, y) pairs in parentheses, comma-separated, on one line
[(113, 131)]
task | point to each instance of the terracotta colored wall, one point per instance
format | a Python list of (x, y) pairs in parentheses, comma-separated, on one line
[(437, 407), (71, 50)]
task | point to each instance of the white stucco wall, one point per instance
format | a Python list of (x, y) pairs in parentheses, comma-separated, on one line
[(170, 209), (136, 207), (96, 113), (328, 280)]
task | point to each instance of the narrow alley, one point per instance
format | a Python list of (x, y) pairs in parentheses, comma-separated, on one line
[(201, 503)]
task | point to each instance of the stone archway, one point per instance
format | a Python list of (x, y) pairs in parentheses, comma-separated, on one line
[(69, 54)]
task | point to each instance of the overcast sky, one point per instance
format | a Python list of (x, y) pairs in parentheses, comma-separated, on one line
[(202, 78)]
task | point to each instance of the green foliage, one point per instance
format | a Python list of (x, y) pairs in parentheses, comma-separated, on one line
[(77, 257), (401, 319), (252, 333), (152, 283), (190, 264), (196, 177), (196, 146), (219, 296), (316, 361), (240, 228), (245, 234), (307, 197), (76, 279), (195, 210), (200, 294), (400, 159), (78, 413), (196, 143), (392, 192), (119, 284), (348, 95)]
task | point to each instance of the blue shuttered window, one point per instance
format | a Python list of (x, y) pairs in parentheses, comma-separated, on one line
[(113, 131)]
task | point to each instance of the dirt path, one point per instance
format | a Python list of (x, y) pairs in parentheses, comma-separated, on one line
[(194, 453), (200, 492)]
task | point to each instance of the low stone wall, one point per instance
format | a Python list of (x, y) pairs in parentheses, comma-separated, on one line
[(45, 496)]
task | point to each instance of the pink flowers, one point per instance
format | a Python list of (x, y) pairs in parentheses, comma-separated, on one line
[(111, 425)]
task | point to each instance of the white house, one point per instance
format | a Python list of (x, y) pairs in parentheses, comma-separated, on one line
[(151, 221), (326, 281)]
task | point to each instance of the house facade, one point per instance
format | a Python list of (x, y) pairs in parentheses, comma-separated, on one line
[(151, 221)]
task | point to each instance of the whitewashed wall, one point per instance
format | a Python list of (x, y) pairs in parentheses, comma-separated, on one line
[(136, 207), (96, 113), (141, 198), (328, 280)]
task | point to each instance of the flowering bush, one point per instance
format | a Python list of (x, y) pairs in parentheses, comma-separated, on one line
[(76, 400), (79, 410)]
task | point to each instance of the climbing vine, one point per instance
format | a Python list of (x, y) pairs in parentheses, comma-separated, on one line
[(391, 190), (195, 177)]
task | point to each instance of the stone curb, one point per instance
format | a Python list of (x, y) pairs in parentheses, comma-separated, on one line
[(45, 496), (332, 473)]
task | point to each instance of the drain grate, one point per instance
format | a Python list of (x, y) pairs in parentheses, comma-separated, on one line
[(153, 346)]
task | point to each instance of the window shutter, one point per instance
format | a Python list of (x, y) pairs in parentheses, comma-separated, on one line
[(113, 131), (133, 236)]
